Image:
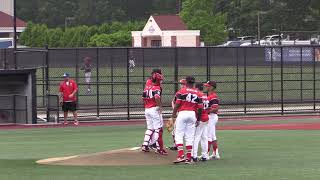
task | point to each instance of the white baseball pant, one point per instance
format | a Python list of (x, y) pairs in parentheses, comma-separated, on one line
[(185, 127), (154, 124), (213, 120), (88, 77), (201, 135)]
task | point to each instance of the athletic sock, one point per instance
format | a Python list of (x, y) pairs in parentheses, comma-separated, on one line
[(160, 140), (180, 150), (215, 146), (209, 146), (189, 150)]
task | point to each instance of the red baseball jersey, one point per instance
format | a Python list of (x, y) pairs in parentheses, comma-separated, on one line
[(67, 88), (189, 99), (150, 94), (213, 101), (205, 101)]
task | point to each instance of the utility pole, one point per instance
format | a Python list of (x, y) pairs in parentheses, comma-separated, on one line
[(15, 33)]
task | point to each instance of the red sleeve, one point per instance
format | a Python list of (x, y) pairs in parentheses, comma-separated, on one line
[(61, 87)]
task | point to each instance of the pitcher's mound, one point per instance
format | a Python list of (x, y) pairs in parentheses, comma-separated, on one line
[(121, 157)]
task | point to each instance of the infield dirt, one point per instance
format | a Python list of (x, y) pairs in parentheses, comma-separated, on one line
[(120, 157)]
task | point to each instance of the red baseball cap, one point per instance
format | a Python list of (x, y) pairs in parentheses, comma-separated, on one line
[(211, 84)]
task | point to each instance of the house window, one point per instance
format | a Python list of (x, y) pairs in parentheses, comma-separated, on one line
[(155, 43)]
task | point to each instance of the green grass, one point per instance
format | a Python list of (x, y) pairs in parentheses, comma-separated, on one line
[(247, 155), (258, 79)]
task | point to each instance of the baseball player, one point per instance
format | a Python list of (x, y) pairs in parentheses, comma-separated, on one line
[(188, 103), (68, 89), (182, 83), (213, 108), (132, 63), (202, 130), (87, 67), (150, 82), (153, 113)]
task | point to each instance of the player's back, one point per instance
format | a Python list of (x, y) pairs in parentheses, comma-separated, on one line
[(150, 93), (189, 99)]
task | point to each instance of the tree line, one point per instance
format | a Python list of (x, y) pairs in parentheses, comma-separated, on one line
[(106, 35), (241, 14), (76, 22)]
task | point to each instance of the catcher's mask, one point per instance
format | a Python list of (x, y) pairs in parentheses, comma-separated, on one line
[(157, 78)]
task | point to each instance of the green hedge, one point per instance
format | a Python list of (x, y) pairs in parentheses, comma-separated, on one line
[(105, 35)]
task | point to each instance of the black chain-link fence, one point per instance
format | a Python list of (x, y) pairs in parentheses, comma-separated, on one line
[(251, 80)]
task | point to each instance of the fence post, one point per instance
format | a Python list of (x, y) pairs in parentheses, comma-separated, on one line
[(14, 109), (208, 64), (245, 80), (237, 59), (47, 83), (111, 72), (301, 76), (281, 79), (128, 85), (143, 69), (272, 88), (97, 84), (176, 69), (77, 74), (314, 79), (26, 108)]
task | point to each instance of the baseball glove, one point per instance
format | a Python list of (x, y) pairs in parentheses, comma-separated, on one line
[(170, 124)]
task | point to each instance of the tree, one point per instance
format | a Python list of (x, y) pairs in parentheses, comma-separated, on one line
[(200, 14), (117, 39)]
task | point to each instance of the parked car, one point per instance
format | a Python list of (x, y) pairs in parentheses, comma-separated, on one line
[(270, 40), (246, 38), (232, 44)]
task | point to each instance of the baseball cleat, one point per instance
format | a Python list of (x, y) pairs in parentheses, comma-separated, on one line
[(194, 159), (65, 123), (161, 152), (189, 161), (145, 149), (153, 147), (203, 159), (179, 160), (217, 156), (173, 148), (76, 123)]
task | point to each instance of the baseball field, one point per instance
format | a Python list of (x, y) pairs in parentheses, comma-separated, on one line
[(264, 148)]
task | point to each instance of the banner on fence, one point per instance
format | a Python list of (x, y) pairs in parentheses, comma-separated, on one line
[(292, 54)]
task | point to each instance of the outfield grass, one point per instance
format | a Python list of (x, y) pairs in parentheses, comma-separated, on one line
[(247, 155), (260, 83)]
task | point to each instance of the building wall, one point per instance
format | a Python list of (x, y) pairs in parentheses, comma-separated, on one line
[(186, 41), (6, 6), (166, 41), (136, 41)]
